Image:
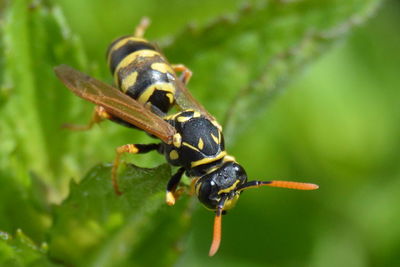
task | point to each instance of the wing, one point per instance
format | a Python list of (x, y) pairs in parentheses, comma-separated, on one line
[(115, 102), (185, 100)]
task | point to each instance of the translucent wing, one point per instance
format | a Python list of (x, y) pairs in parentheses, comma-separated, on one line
[(115, 102), (185, 100)]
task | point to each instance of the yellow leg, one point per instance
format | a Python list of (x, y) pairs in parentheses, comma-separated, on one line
[(172, 192), (141, 28), (132, 149), (99, 114), (186, 73), (173, 196)]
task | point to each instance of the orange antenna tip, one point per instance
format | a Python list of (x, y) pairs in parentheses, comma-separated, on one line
[(282, 184), (293, 185), (216, 235)]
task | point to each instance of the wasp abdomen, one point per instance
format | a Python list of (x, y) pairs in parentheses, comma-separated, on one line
[(142, 72)]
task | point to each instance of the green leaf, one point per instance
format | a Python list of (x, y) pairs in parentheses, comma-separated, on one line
[(23, 208), (107, 230), (34, 40), (21, 251)]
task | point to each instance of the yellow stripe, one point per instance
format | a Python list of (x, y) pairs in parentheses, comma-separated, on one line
[(183, 119), (171, 117), (208, 160), (162, 67), (196, 114), (170, 97), (216, 140), (190, 146), (132, 57), (123, 42), (128, 81), (148, 92), (174, 116), (229, 158)]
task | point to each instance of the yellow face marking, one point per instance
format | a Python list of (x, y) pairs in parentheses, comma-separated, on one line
[(162, 67), (123, 42), (128, 81), (229, 189), (190, 146), (173, 155), (148, 92), (216, 139), (200, 145), (177, 140), (132, 57), (208, 160), (230, 203)]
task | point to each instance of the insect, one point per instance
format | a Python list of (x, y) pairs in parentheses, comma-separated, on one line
[(191, 139)]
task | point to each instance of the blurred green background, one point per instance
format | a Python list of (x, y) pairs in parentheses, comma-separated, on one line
[(337, 124)]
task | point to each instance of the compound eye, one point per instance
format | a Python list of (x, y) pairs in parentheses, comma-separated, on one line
[(238, 170), (208, 193), (240, 173)]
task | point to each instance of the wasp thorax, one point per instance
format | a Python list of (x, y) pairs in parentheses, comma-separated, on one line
[(223, 181)]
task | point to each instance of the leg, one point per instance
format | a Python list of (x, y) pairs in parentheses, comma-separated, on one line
[(99, 115), (141, 28), (186, 73), (132, 149), (172, 185), (192, 191)]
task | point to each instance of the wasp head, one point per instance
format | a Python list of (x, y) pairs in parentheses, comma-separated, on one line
[(219, 187)]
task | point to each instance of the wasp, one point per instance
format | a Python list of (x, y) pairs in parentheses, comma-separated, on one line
[(146, 88)]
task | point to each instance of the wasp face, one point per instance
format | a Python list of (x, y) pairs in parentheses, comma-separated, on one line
[(221, 183)]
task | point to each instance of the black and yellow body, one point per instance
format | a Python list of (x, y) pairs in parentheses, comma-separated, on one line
[(198, 145), (191, 139), (141, 72), (198, 148)]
